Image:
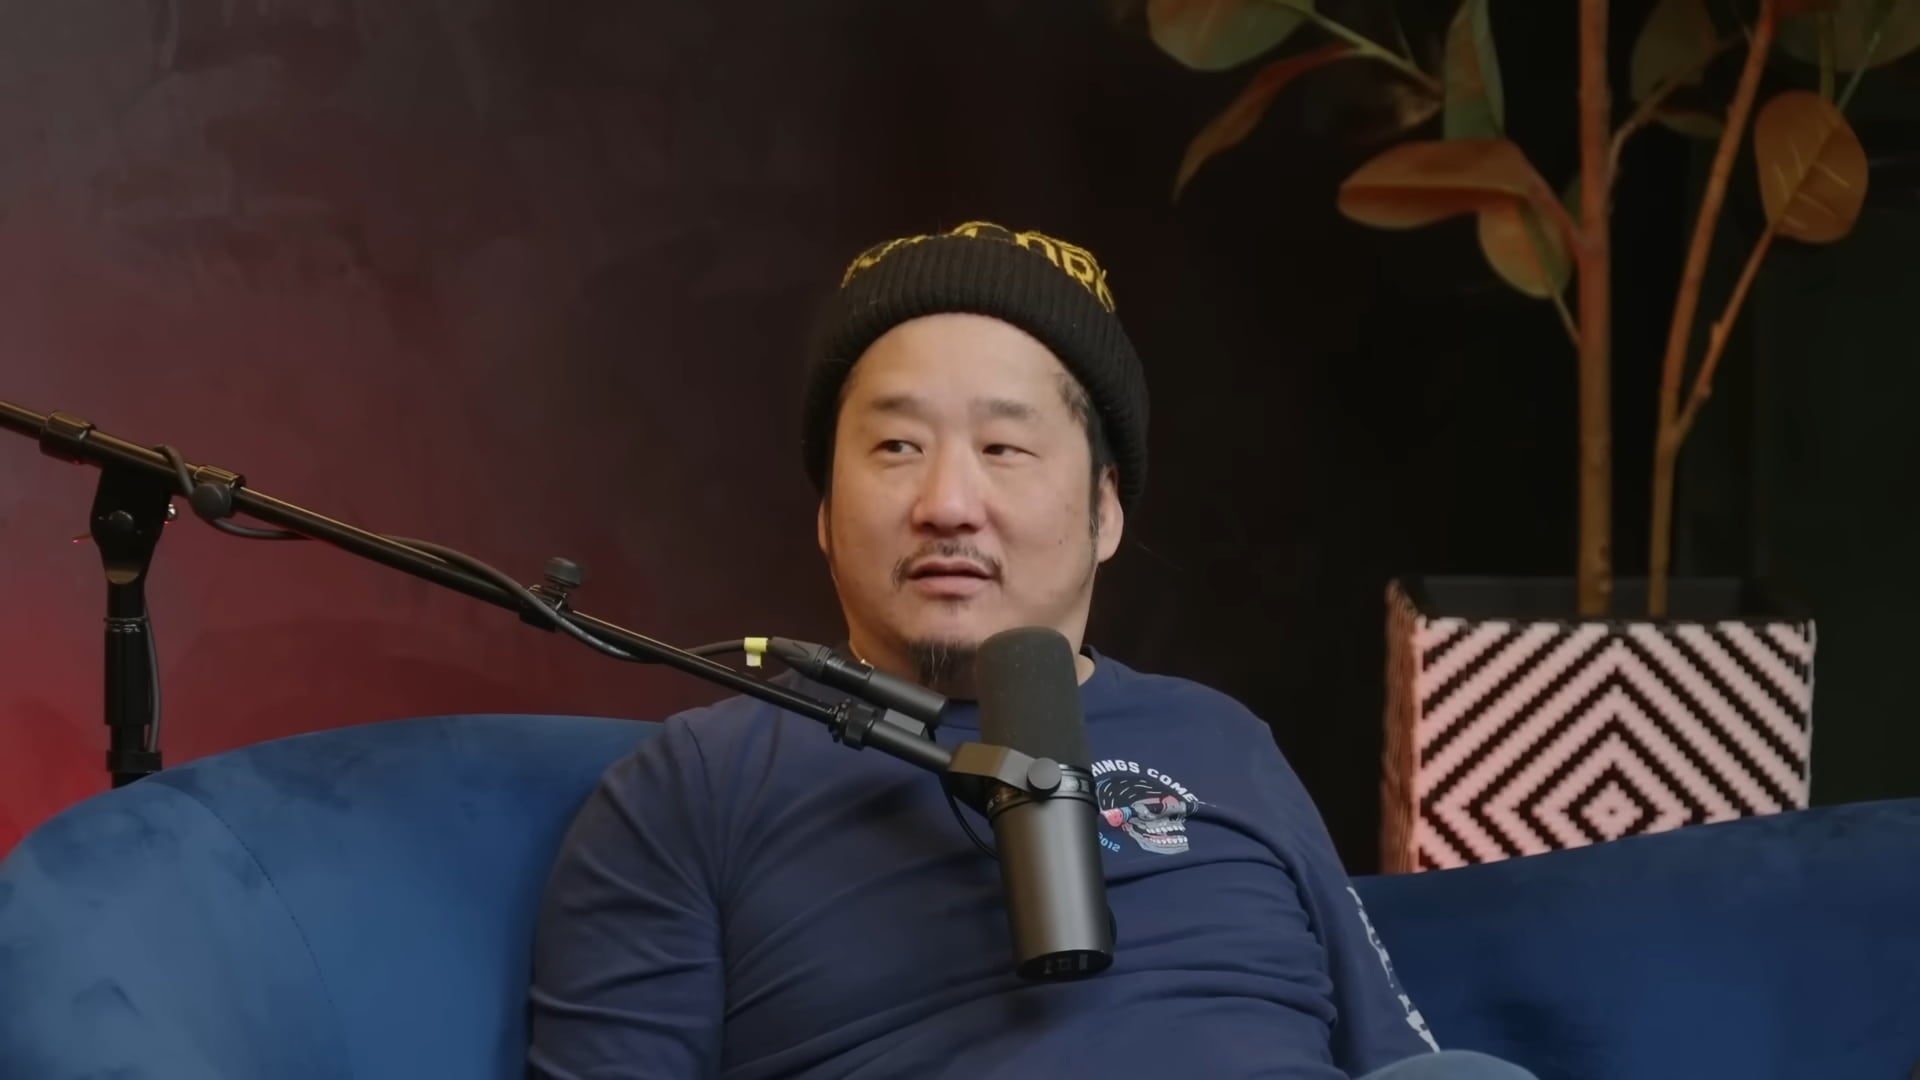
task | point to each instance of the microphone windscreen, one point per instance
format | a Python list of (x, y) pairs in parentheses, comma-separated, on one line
[(1029, 692)]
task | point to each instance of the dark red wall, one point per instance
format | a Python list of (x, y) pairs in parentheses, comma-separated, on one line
[(523, 289), (528, 278)]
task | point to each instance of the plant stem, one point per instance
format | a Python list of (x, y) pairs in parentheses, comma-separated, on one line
[(1650, 105), (1718, 334), (1595, 260), (1873, 45), (1363, 45), (1853, 83), (1687, 303), (1400, 31)]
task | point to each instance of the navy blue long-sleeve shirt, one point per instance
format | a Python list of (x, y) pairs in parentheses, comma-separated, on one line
[(742, 897)]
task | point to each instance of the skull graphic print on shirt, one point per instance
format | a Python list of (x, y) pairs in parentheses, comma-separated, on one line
[(1145, 809)]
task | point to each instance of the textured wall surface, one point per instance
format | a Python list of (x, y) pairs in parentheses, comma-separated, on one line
[(527, 279)]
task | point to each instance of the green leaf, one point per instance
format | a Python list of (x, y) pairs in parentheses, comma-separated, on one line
[(1243, 114), (1516, 237), (1866, 33), (1529, 252), (1213, 35), (1475, 103), (1675, 44), (1691, 122), (1812, 168), (1418, 183)]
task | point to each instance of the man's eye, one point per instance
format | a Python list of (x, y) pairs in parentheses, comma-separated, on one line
[(1003, 450), (895, 446)]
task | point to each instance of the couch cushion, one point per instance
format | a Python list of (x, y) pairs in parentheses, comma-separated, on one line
[(1785, 946)]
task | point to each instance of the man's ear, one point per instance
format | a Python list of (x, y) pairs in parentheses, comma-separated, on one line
[(1113, 520), (823, 532)]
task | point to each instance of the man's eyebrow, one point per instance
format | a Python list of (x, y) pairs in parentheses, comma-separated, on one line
[(901, 404), (908, 404), (1005, 409)]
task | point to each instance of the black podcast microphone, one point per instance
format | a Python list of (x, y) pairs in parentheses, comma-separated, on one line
[(1048, 833)]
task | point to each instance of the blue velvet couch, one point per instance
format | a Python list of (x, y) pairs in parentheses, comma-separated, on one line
[(356, 904)]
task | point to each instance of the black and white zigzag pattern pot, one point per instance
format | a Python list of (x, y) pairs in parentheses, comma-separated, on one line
[(1512, 732)]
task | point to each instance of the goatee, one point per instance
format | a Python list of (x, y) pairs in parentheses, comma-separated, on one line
[(945, 667)]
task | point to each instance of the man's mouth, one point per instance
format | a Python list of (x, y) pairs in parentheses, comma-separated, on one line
[(948, 568), (948, 579)]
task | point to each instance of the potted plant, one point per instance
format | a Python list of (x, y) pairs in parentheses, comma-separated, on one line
[(1528, 715)]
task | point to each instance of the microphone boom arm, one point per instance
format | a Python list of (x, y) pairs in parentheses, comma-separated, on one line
[(218, 492)]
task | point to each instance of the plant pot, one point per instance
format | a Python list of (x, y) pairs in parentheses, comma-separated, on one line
[(1513, 728)]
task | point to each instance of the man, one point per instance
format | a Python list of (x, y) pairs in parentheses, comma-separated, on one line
[(743, 897)]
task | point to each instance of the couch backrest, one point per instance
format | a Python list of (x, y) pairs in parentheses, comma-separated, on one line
[(350, 903)]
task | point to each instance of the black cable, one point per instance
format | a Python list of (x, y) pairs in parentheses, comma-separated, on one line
[(720, 648), (186, 488), (967, 827), (153, 688), (547, 611)]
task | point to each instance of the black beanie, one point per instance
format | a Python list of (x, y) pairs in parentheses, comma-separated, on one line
[(1053, 290)]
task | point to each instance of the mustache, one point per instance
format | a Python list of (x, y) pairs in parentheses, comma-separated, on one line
[(945, 549)]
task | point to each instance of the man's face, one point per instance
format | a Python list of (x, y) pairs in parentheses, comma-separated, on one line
[(961, 501)]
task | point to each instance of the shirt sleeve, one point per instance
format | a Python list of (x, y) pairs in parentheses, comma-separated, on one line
[(627, 965), (1375, 1023), (1379, 1023)]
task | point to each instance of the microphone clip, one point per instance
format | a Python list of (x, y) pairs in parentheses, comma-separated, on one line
[(991, 778)]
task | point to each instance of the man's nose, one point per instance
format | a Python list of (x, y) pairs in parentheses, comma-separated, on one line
[(951, 494)]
